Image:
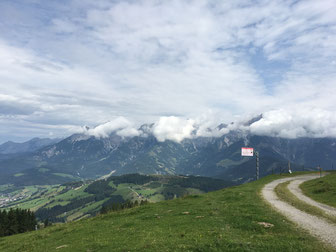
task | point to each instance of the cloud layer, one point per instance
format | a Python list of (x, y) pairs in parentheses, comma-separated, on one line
[(314, 123), (87, 63)]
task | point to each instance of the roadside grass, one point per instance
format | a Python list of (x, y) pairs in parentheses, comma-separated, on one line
[(322, 189), (284, 194), (225, 220)]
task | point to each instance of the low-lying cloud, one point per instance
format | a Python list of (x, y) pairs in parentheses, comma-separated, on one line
[(308, 122), (313, 122), (173, 128), (121, 126)]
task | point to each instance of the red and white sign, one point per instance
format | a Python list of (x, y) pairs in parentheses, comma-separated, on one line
[(248, 152)]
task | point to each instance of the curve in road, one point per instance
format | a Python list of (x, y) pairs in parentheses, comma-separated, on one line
[(316, 226), (295, 189)]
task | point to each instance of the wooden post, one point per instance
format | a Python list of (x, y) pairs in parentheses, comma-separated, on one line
[(257, 165)]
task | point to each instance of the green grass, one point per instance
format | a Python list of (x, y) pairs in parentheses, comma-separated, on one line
[(93, 206), (284, 194), (34, 203), (322, 189), (225, 220), (79, 193), (194, 191), (156, 198), (74, 216), (125, 191), (146, 192), (18, 174)]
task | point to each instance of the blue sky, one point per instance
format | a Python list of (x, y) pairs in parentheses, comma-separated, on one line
[(65, 64)]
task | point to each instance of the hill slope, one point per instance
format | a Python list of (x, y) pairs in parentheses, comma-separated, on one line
[(225, 220)]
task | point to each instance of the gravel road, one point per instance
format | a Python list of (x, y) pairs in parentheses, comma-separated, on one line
[(294, 188), (317, 227)]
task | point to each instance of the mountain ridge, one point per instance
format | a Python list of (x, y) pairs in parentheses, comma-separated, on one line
[(31, 145), (82, 156)]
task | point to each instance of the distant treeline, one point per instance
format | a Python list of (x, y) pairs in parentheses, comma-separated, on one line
[(135, 178), (16, 221), (203, 183), (177, 186), (100, 187), (117, 206), (51, 214)]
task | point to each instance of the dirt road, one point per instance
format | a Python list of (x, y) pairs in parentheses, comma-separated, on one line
[(316, 226), (295, 189)]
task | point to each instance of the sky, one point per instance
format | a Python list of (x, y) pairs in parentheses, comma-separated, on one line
[(182, 65)]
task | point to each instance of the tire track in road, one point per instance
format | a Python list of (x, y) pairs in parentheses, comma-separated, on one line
[(295, 189)]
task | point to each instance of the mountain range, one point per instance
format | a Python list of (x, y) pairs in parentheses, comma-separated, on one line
[(28, 146), (82, 156)]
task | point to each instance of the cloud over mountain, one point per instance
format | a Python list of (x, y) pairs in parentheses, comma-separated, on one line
[(296, 123), (121, 126), (314, 123), (94, 61), (173, 128)]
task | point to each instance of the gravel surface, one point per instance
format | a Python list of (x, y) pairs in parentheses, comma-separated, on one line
[(294, 188), (318, 227)]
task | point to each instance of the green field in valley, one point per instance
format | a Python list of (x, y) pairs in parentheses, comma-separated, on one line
[(75, 200)]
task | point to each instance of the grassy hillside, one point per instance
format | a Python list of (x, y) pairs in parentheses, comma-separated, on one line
[(322, 189), (226, 220)]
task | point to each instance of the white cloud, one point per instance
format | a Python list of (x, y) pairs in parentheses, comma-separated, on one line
[(173, 128), (121, 126), (304, 122)]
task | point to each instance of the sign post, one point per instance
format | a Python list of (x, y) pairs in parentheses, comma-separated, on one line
[(257, 164), (289, 168), (320, 169), (248, 152)]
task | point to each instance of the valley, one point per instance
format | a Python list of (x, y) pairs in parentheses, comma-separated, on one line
[(75, 200)]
